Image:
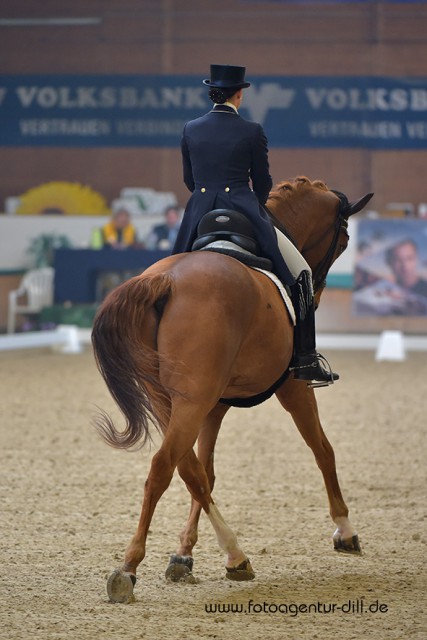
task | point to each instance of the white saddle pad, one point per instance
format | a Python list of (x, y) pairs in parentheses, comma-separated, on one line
[(285, 297)]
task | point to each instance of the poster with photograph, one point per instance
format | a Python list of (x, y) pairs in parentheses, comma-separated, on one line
[(391, 268)]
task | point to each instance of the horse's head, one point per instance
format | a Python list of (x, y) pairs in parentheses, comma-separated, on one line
[(316, 218)]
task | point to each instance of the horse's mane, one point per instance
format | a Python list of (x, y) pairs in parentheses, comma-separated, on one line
[(286, 188)]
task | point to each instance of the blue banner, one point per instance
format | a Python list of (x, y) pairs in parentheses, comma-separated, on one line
[(150, 111)]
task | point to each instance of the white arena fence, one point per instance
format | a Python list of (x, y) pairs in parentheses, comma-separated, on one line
[(65, 338), (70, 339)]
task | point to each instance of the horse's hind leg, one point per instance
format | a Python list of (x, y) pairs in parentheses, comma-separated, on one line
[(300, 401), (238, 566), (181, 563), (177, 443), (121, 582), (180, 567)]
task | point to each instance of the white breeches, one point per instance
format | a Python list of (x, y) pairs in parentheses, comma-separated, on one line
[(296, 263)]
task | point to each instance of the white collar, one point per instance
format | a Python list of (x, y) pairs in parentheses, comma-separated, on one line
[(229, 104)]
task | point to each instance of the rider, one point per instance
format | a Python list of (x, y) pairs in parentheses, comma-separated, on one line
[(221, 151)]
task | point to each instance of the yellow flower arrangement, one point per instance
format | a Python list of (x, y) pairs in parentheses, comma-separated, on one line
[(68, 198)]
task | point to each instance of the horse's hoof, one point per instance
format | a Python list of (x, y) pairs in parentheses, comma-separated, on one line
[(351, 545), (180, 569), (243, 572), (120, 586)]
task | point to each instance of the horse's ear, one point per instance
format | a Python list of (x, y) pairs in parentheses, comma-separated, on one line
[(358, 205)]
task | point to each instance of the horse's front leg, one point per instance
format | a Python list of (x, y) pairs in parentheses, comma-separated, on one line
[(238, 566), (300, 401), (181, 563)]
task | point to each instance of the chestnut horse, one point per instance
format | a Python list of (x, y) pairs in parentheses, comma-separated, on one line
[(194, 330)]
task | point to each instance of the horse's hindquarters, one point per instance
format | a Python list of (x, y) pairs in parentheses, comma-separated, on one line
[(225, 327)]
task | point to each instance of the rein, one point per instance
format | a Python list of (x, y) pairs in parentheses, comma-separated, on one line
[(340, 224), (321, 271)]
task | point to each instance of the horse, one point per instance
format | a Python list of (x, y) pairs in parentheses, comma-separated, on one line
[(199, 332)]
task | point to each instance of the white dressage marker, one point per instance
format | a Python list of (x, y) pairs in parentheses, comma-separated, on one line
[(391, 347)]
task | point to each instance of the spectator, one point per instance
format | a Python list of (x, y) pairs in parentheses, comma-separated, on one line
[(402, 259), (163, 236), (118, 233)]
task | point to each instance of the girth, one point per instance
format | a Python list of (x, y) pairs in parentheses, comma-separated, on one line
[(252, 401)]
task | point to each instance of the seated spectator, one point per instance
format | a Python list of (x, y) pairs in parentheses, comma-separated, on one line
[(163, 236), (118, 233)]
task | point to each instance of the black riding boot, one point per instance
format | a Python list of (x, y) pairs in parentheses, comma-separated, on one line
[(307, 364)]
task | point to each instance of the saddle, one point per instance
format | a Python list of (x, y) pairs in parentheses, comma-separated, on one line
[(231, 233)]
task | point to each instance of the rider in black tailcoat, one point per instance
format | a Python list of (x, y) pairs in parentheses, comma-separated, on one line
[(222, 154)]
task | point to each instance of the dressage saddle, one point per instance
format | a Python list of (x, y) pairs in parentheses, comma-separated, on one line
[(231, 233)]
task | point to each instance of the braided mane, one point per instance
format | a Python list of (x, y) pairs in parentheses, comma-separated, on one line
[(288, 188)]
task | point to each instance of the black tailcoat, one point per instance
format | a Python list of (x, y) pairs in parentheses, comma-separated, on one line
[(221, 153)]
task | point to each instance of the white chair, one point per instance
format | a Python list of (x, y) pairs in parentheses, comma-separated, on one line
[(37, 287)]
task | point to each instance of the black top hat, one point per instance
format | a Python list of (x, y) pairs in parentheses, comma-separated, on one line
[(225, 76)]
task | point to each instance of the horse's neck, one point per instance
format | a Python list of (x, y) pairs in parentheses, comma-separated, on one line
[(297, 221)]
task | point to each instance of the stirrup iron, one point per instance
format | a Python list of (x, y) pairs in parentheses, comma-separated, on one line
[(317, 362), (325, 363)]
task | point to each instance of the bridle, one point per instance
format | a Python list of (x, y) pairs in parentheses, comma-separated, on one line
[(340, 224)]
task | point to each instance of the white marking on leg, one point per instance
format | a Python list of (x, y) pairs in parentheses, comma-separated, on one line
[(227, 540), (345, 531)]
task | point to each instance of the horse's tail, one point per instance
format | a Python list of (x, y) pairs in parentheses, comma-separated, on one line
[(130, 366)]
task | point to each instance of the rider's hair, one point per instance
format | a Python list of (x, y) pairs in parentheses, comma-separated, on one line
[(219, 96)]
